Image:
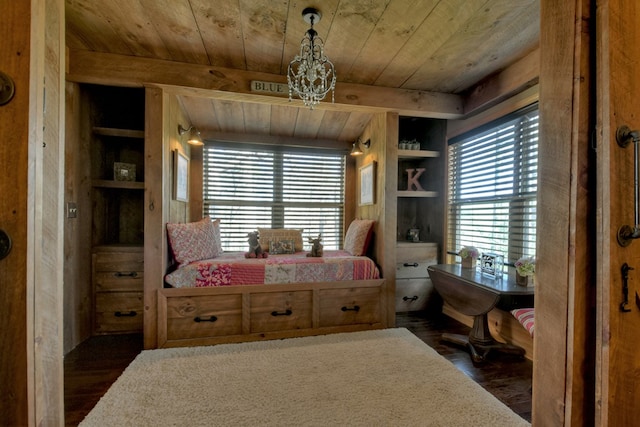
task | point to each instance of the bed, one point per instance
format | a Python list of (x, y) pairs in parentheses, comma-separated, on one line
[(217, 297)]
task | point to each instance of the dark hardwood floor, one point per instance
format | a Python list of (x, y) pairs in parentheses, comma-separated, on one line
[(94, 365), (506, 377), (91, 368)]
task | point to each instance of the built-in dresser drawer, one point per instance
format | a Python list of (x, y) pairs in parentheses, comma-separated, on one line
[(204, 316), (118, 289), (414, 290), (118, 271), (281, 311), (349, 306), (409, 252), (412, 269), (118, 312), (413, 294)]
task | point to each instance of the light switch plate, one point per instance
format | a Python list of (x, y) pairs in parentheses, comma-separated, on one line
[(72, 210)]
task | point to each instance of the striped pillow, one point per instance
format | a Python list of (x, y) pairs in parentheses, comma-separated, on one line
[(525, 317)]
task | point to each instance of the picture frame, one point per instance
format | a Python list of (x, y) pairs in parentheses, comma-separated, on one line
[(368, 184), (492, 265), (180, 176), (124, 171)]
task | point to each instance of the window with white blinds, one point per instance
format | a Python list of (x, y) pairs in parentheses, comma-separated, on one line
[(247, 187), (493, 174)]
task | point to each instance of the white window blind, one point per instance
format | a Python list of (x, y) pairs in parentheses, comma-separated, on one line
[(493, 174), (250, 187)]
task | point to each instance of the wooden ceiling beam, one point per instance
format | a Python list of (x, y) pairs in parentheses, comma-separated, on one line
[(261, 139), (226, 83), (496, 88)]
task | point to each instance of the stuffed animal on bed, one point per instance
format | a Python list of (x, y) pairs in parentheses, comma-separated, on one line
[(316, 246), (255, 249)]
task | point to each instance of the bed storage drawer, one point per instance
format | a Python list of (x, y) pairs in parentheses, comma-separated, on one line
[(259, 312), (203, 316), (349, 306), (118, 312), (280, 311)]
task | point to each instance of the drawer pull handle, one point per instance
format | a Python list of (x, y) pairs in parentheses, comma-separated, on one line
[(408, 264), (413, 298), (287, 312), (355, 308), (130, 274), (200, 319), (131, 313)]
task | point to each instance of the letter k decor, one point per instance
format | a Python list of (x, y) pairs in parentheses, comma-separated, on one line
[(412, 180)]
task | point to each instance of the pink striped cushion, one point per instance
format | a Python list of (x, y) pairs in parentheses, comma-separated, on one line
[(525, 317)]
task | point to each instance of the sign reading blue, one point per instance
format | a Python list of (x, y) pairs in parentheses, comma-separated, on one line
[(269, 87)]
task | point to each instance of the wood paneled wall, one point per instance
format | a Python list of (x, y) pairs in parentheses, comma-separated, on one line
[(77, 244), (162, 116), (383, 133)]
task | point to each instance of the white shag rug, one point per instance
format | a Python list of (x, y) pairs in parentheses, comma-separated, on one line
[(375, 378)]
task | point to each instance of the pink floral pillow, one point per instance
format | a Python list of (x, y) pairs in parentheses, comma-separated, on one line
[(358, 236), (195, 241)]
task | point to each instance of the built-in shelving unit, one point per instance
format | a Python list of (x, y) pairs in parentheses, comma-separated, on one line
[(420, 207), (117, 153)]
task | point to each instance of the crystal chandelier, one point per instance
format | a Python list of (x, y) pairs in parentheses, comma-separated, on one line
[(311, 75)]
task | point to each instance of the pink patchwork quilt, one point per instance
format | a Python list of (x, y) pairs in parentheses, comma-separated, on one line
[(231, 269)]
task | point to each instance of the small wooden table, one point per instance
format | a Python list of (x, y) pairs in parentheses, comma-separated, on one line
[(474, 294)]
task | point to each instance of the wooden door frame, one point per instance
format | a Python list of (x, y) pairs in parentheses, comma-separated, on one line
[(32, 155), (563, 384)]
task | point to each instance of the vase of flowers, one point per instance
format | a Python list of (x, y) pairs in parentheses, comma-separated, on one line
[(469, 255), (525, 269)]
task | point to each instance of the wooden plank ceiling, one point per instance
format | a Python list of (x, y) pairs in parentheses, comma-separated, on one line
[(442, 46)]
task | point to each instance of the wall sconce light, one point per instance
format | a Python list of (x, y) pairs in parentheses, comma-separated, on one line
[(356, 150), (194, 135)]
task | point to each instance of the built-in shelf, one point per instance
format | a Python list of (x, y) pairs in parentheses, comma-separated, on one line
[(127, 185), (417, 154), (422, 194), (124, 133)]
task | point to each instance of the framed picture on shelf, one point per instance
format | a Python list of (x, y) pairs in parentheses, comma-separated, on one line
[(367, 184), (180, 176)]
